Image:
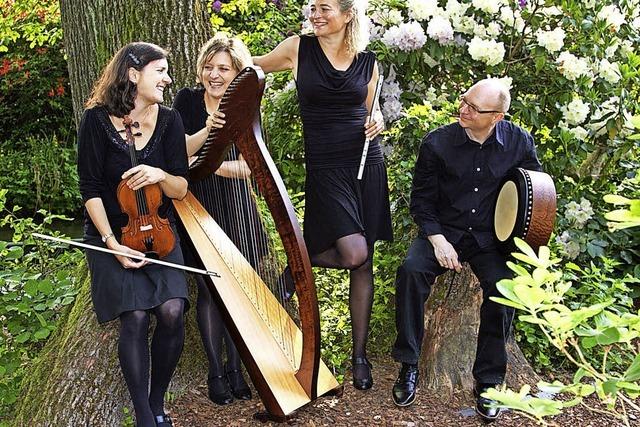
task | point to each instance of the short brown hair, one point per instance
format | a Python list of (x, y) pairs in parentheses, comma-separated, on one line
[(113, 89), (222, 42)]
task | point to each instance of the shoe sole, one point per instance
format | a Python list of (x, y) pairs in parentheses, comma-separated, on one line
[(403, 405), (488, 419)]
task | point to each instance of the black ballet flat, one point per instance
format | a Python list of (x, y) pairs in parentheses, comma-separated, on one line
[(362, 383), (163, 421), (289, 284), (239, 386), (219, 390)]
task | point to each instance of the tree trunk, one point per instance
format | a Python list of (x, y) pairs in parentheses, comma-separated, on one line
[(452, 318), (77, 380), (95, 29)]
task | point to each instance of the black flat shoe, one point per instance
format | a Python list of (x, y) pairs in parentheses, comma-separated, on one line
[(289, 284), (404, 390), (362, 383), (164, 421), (483, 409), (219, 390), (239, 386)]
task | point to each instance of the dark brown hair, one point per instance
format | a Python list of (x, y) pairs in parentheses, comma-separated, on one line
[(113, 89)]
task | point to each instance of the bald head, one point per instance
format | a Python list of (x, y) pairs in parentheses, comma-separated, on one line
[(494, 92)]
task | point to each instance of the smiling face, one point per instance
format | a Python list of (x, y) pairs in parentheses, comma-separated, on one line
[(327, 18), (151, 81), (217, 73)]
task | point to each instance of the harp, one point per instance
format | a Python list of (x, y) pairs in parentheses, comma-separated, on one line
[(282, 359)]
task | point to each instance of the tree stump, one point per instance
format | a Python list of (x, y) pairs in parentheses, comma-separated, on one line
[(77, 380), (452, 319)]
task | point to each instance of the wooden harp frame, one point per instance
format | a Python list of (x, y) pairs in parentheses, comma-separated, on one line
[(284, 382)]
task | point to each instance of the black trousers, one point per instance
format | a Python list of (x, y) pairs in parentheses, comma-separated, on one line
[(414, 279)]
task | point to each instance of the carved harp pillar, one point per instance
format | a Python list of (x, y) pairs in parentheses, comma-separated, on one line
[(283, 360)]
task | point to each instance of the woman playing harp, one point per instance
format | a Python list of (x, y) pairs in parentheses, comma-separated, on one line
[(227, 198)]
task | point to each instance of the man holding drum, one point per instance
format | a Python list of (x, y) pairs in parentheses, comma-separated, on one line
[(455, 185)]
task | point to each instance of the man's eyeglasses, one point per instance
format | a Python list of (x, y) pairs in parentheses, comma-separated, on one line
[(475, 109)]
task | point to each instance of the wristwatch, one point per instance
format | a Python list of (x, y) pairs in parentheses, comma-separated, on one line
[(106, 237)]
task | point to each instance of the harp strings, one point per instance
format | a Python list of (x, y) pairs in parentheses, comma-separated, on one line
[(243, 215)]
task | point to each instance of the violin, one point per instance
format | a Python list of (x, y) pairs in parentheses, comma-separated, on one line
[(145, 231)]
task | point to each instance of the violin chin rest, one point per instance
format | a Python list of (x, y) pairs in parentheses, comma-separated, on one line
[(152, 254)]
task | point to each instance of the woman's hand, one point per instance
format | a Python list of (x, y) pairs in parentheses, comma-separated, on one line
[(143, 175), (126, 262), (237, 169), (215, 120), (374, 127)]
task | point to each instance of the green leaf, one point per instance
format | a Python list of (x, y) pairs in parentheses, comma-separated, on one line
[(633, 371), (41, 333), (23, 337), (45, 287), (31, 287), (616, 200), (608, 336), (508, 303), (610, 387), (525, 248), (530, 297)]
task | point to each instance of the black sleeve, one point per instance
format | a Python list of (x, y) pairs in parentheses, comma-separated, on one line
[(91, 153), (175, 147), (183, 103), (530, 160), (424, 194)]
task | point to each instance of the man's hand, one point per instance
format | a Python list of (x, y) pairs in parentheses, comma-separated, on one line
[(445, 253)]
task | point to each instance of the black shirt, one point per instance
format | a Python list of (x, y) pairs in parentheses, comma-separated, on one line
[(455, 183), (103, 156)]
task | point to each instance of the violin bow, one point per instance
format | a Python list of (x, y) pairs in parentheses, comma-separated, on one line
[(375, 104), (138, 257)]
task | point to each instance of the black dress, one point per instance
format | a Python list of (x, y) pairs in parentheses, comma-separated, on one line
[(229, 201), (103, 156), (333, 110)]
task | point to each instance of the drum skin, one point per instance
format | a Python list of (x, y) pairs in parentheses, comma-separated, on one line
[(526, 206)]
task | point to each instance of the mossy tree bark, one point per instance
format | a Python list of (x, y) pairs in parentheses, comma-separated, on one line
[(452, 318), (77, 380), (95, 29)]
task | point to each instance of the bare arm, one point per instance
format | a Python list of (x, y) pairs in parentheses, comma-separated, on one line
[(374, 124), (283, 57)]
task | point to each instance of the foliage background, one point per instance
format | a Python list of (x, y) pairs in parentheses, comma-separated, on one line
[(577, 106)]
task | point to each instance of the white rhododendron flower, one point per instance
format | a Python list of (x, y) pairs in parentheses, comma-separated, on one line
[(488, 51), (571, 66), (570, 247), (440, 29), (579, 133), (387, 17), (421, 10), (609, 71), (406, 36), (551, 11), (489, 6), (552, 41), (575, 112), (613, 17), (494, 29), (463, 24), (480, 30), (635, 24), (508, 16), (455, 8), (579, 214)]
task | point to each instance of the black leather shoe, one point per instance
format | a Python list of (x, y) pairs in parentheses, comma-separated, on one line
[(239, 386), (163, 421), (404, 390), (483, 409), (219, 390), (362, 383)]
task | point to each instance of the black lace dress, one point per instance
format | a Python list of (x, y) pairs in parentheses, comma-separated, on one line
[(103, 156)]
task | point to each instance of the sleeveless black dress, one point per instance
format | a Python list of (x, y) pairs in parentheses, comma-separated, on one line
[(333, 110), (229, 201)]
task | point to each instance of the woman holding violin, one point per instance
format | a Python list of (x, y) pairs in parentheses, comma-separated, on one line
[(131, 162)]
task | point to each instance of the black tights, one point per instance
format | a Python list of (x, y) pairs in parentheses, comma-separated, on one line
[(214, 332), (352, 252), (133, 352)]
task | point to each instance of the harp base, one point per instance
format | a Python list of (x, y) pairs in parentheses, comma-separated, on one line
[(266, 416)]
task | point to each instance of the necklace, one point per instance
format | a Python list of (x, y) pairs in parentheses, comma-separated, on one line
[(136, 123)]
